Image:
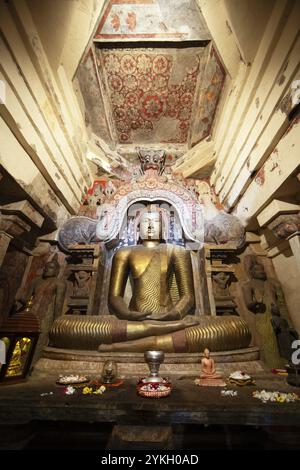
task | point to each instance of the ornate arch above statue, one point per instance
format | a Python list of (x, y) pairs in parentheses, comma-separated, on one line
[(222, 229), (188, 209)]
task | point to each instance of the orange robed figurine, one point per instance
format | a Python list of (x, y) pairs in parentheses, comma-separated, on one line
[(209, 376)]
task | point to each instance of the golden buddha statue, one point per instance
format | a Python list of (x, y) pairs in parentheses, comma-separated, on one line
[(160, 314), (151, 267)]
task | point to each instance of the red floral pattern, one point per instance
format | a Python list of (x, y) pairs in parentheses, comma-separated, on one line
[(131, 99), (160, 64), (178, 81), (131, 20), (128, 64), (152, 107), (115, 83), (130, 82), (144, 63), (145, 83)]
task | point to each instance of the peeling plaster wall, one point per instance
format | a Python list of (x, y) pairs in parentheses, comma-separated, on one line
[(254, 144), (257, 121), (49, 16), (281, 163), (18, 163), (247, 20), (43, 124), (65, 28)]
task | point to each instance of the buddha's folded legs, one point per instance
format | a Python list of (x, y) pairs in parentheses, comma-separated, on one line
[(87, 332), (216, 333), (90, 332)]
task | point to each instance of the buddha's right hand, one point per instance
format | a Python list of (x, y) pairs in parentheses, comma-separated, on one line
[(134, 316)]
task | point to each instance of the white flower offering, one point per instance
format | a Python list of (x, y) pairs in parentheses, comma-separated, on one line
[(228, 393)]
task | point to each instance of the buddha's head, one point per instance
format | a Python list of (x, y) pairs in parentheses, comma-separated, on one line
[(150, 226), (206, 353)]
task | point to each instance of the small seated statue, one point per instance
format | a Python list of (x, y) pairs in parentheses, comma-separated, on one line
[(152, 320), (209, 377), (224, 301)]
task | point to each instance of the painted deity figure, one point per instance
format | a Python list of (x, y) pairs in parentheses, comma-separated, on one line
[(154, 318), (262, 296), (45, 291), (46, 295), (220, 284), (258, 291), (81, 287)]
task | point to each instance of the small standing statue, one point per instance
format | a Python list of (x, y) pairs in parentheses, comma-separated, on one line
[(81, 288), (209, 377)]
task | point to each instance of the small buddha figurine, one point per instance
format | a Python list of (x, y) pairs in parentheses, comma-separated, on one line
[(209, 377)]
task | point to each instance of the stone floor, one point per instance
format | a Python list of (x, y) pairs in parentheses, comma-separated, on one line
[(191, 417)]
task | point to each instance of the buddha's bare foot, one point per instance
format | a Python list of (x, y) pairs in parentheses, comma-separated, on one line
[(105, 348), (190, 320)]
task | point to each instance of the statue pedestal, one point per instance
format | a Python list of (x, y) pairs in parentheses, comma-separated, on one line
[(58, 361)]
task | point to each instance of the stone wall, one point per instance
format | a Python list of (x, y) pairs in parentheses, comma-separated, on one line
[(44, 140)]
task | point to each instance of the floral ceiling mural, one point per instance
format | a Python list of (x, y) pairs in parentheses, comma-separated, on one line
[(134, 93), (149, 94)]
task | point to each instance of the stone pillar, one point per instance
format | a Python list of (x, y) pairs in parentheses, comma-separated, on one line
[(280, 222), (15, 219), (281, 219), (11, 226)]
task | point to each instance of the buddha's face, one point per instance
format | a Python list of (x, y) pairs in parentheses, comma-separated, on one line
[(150, 226)]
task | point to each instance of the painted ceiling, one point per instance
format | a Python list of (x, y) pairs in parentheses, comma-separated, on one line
[(141, 94), (151, 20), (151, 93)]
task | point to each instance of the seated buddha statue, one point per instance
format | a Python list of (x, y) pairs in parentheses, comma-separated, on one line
[(209, 376), (154, 318)]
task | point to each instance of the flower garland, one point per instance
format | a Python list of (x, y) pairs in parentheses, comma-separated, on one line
[(276, 397), (70, 390)]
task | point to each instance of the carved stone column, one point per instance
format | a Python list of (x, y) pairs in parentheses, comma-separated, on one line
[(282, 219), (16, 219), (11, 226), (5, 239)]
